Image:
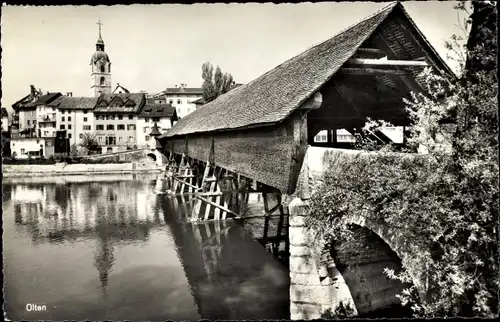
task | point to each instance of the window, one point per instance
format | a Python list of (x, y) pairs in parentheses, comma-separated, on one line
[(102, 81), (156, 119), (63, 127), (110, 117), (100, 117), (100, 127), (37, 141), (120, 117), (23, 151), (102, 69), (110, 127), (178, 101), (85, 119), (120, 139), (110, 149), (28, 122), (131, 127), (62, 119), (69, 126), (49, 143), (85, 112), (121, 127), (147, 119), (99, 138), (171, 102), (69, 135), (110, 140), (63, 112), (130, 117), (69, 118), (81, 135), (131, 139), (87, 127), (147, 137), (146, 129)]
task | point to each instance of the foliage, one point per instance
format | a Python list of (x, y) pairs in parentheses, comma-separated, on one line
[(216, 84), (445, 200), (74, 151), (89, 142)]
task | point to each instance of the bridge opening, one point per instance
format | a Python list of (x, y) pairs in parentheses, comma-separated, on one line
[(356, 93), (361, 261), (151, 156)]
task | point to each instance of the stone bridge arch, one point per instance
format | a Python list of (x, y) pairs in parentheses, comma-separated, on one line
[(321, 280), (152, 156)]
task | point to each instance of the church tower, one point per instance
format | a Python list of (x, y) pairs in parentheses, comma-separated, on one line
[(101, 69)]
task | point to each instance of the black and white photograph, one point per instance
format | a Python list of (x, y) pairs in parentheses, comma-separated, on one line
[(250, 161)]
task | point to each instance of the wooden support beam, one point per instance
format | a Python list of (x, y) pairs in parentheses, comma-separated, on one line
[(186, 176), (376, 62), (372, 52), (372, 71), (187, 184), (218, 206)]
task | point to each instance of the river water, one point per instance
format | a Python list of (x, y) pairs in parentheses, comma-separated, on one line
[(111, 248)]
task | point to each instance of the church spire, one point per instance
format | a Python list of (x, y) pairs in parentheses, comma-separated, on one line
[(100, 42)]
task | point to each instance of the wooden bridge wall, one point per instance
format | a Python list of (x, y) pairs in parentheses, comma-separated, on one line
[(269, 155)]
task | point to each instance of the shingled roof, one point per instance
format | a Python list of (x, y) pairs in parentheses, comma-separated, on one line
[(275, 95), (45, 99), (183, 90), (120, 103), (158, 110), (77, 103)]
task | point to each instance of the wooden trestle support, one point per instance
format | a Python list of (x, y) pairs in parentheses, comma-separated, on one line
[(219, 194)]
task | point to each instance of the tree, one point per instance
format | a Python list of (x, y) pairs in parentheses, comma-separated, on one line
[(446, 202), (216, 84), (73, 151), (89, 142)]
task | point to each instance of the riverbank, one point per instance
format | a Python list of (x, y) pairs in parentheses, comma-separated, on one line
[(63, 169)]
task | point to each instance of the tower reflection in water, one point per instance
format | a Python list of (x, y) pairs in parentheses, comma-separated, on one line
[(228, 274), (112, 213)]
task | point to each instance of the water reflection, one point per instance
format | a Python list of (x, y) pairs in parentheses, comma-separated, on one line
[(113, 249)]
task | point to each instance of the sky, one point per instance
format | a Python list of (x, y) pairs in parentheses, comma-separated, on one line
[(152, 47)]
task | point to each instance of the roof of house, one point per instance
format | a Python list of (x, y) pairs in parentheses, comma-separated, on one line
[(120, 103), (118, 86), (199, 101), (158, 110), (76, 103), (4, 112), (275, 95), (45, 99), (183, 90)]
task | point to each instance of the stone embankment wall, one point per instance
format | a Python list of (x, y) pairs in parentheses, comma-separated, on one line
[(11, 170)]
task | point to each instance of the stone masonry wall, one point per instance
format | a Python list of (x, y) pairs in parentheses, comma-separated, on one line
[(316, 286)]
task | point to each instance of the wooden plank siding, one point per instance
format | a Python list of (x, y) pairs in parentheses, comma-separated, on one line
[(271, 155)]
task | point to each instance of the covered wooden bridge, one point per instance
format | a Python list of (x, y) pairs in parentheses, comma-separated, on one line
[(255, 137)]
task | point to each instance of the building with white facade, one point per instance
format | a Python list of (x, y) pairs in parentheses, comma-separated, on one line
[(164, 115), (23, 148), (46, 121), (181, 97), (116, 120), (75, 115)]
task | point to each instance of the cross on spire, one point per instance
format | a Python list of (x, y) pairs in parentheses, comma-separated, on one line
[(100, 24)]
